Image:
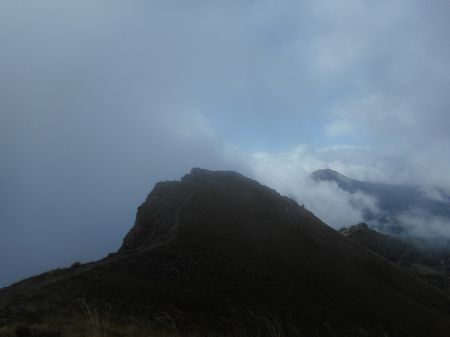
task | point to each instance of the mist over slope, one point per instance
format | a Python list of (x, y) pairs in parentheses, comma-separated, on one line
[(400, 209)]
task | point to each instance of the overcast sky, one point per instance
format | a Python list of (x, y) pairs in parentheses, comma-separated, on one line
[(101, 99)]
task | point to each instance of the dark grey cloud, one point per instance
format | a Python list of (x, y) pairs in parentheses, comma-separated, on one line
[(94, 111)]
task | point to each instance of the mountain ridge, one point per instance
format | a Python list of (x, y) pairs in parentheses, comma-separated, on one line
[(216, 242)]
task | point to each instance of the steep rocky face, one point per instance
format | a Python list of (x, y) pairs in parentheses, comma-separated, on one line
[(217, 243), (156, 217)]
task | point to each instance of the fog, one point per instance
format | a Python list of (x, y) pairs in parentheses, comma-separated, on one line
[(101, 99)]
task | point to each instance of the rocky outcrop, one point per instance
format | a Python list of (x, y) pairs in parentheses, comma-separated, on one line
[(422, 262)]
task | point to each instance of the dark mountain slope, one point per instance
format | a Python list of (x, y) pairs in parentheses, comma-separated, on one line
[(431, 266), (392, 248), (216, 243)]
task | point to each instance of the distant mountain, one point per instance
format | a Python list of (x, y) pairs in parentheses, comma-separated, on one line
[(392, 200), (215, 246)]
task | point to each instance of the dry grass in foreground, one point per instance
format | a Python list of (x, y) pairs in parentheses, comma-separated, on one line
[(98, 321)]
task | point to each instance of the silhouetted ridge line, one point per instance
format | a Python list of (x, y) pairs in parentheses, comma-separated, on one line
[(216, 243)]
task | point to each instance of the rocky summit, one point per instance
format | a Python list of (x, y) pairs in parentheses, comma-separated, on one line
[(216, 245)]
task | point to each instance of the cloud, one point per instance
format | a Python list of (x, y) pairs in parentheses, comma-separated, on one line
[(338, 128), (289, 173), (420, 223), (100, 99), (397, 69)]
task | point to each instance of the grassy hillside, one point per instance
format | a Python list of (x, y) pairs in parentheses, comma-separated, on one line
[(221, 253)]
